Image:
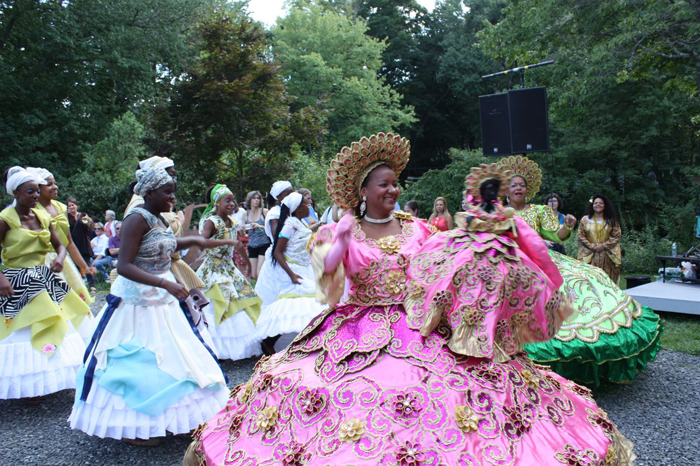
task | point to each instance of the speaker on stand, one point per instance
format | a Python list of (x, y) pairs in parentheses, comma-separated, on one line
[(515, 122), (495, 124)]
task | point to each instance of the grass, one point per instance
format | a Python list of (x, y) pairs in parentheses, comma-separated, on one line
[(681, 333)]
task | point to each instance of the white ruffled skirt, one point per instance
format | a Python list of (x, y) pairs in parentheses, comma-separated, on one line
[(290, 307), (155, 341), (235, 337), (26, 372)]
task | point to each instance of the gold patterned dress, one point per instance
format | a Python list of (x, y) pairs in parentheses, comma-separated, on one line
[(234, 307), (592, 233), (612, 337)]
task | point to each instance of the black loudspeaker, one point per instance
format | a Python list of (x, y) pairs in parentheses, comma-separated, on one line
[(495, 124), (528, 120)]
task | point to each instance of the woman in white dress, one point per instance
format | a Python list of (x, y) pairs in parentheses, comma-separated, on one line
[(149, 368), (294, 303)]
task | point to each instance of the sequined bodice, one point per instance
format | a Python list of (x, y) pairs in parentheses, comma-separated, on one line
[(157, 246), (376, 269), (541, 219)]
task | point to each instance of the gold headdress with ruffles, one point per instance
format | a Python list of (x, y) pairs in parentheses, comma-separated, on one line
[(479, 175), (352, 164), (522, 166)]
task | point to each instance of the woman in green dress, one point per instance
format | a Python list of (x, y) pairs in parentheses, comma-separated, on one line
[(612, 336)]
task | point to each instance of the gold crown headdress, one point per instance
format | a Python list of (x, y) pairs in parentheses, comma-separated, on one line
[(519, 165), (479, 175), (352, 165)]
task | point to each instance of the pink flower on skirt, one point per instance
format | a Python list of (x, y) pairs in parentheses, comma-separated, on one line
[(48, 349)]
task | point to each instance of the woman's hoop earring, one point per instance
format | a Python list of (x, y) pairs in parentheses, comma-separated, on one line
[(363, 206)]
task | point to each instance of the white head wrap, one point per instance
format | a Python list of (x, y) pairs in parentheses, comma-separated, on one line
[(278, 187), (148, 163), (40, 174), (17, 176), (150, 178), (163, 162), (293, 201)]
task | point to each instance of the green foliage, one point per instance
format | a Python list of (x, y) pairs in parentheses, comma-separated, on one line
[(109, 167), (328, 59), (448, 183), (622, 98), (70, 68), (639, 249), (310, 172), (229, 113)]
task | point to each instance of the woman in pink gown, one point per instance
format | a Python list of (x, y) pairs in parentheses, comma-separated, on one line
[(367, 383)]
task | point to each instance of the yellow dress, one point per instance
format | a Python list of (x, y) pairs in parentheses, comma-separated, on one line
[(39, 346), (70, 271), (592, 234)]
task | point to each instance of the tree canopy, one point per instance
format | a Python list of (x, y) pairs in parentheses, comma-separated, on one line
[(91, 86)]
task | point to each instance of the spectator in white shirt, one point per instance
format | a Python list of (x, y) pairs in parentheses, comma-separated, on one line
[(99, 242)]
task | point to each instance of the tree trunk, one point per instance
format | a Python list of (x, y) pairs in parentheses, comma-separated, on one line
[(239, 160)]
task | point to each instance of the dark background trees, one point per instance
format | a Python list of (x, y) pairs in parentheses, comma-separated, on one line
[(88, 87)]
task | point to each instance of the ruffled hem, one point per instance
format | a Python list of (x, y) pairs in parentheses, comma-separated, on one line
[(234, 338), (107, 415), (617, 357), (27, 372), (289, 315), (87, 327)]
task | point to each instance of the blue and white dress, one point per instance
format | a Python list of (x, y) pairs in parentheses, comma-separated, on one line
[(148, 368)]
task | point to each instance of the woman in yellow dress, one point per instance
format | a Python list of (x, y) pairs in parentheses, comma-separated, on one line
[(48, 192), (599, 237), (39, 347)]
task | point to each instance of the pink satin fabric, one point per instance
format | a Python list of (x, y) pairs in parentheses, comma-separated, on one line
[(360, 386)]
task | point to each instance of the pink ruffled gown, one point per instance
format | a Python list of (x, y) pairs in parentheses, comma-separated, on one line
[(361, 385)]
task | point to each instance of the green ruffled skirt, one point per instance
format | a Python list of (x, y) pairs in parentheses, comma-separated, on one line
[(611, 337)]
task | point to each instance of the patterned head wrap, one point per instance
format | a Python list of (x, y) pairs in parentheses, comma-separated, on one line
[(217, 193), (352, 165), (527, 169), (41, 174), (17, 176), (279, 187), (150, 179), (293, 201)]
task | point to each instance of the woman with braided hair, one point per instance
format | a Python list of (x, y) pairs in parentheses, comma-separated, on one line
[(612, 337), (368, 382)]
